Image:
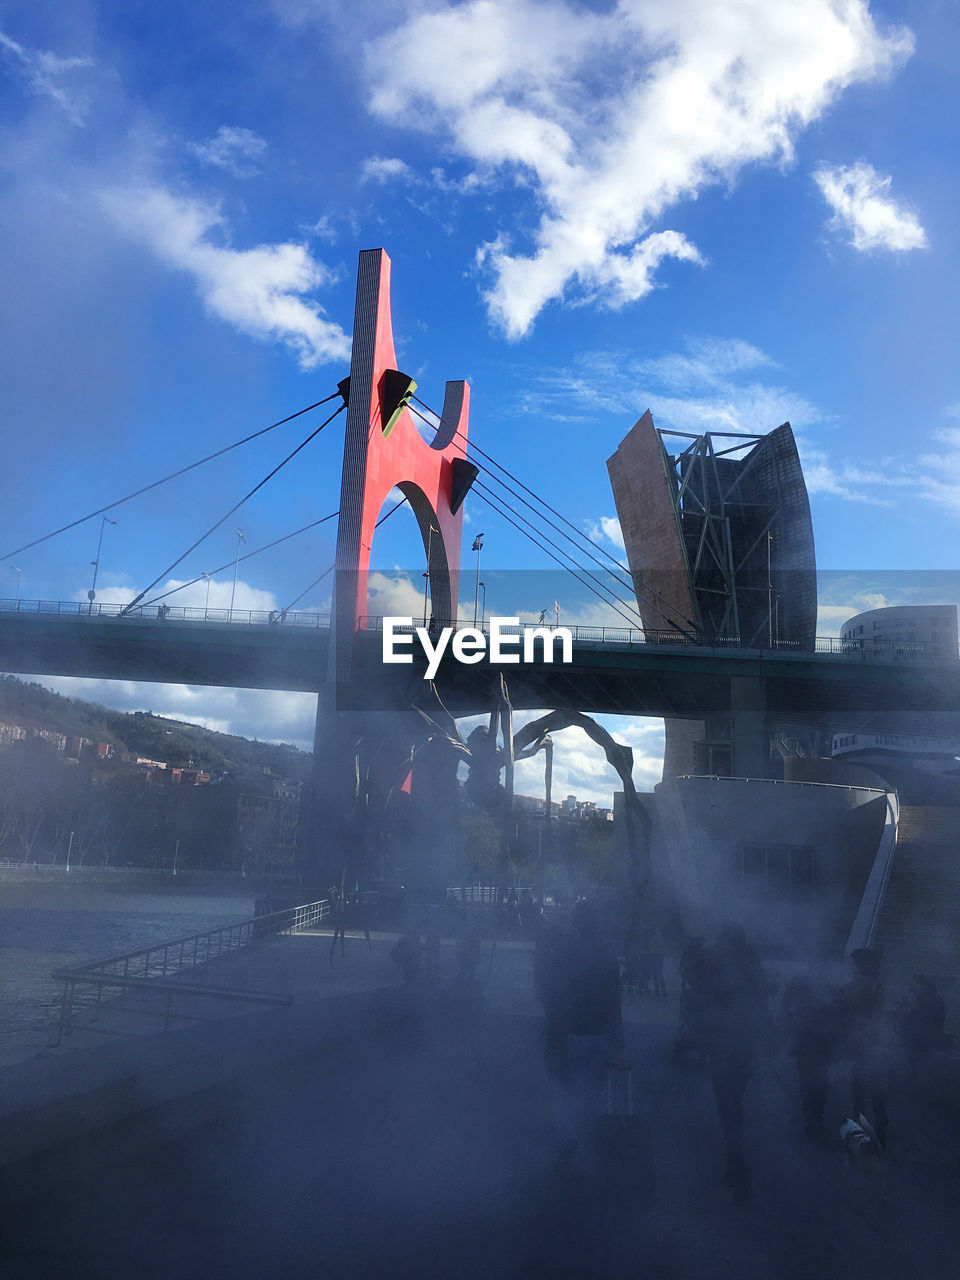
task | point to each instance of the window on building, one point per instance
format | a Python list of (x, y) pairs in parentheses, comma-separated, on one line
[(783, 871), (713, 759)]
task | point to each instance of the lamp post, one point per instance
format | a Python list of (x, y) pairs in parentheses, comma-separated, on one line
[(236, 570), (69, 850), (426, 577), (176, 857), (483, 605), (769, 590), (92, 593), (206, 603), (19, 573), (477, 547)]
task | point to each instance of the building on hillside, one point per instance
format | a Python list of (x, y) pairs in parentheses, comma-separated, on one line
[(267, 828)]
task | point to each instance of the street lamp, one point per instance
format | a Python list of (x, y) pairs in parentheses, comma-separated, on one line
[(477, 547), (483, 606), (69, 850), (19, 573), (769, 589), (236, 570), (206, 604), (92, 593)]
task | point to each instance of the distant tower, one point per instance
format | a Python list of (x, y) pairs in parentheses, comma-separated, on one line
[(719, 541)]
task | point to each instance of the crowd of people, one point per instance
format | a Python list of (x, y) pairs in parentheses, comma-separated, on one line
[(732, 1014)]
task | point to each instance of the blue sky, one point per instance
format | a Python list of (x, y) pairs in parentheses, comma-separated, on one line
[(733, 213)]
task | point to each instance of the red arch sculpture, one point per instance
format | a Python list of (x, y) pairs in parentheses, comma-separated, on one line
[(384, 450)]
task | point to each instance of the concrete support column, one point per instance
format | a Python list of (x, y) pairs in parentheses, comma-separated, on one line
[(328, 822), (750, 731)]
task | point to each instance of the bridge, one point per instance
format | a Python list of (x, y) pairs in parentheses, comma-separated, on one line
[(614, 670), (630, 668)]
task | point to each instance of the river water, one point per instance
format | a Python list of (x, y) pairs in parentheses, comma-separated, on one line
[(48, 926)]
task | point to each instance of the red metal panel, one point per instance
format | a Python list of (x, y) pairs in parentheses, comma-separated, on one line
[(374, 464)]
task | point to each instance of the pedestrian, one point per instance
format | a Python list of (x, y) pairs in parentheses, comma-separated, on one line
[(643, 958), (808, 1017), (734, 1022), (693, 971), (407, 954), (920, 1019), (528, 914), (468, 953), (431, 945), (860, 1008), (655, 962), (579, 986)]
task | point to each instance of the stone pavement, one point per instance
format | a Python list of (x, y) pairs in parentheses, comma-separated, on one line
[(365, 1132)]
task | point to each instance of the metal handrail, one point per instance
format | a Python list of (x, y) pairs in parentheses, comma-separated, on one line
[(164, 613), (633, 637), (871, 901), (626, 637), (157, 967)]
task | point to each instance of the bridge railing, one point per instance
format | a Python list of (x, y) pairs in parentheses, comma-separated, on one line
[(628, 637), (625, 637), (158, 970), (164, 613)]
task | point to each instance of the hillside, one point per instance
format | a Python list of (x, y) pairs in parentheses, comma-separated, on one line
[(173, 741)]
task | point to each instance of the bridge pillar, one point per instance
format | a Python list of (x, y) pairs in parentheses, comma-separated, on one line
[(383, 450), (750, 729)]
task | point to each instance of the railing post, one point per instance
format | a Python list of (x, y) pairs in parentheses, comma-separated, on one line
[(66, 1009)]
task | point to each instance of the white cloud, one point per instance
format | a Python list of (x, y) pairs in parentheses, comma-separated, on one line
[(846, 480), (384, 169), (46, 73), (260, 291), (580, 767), (394, 596), (941, 481), (862, 209), (269, 715), (613, 117), (323, 229), (832, 617), (180, 593), (233, 149), (707, 362), (699, 389), (608, 527)]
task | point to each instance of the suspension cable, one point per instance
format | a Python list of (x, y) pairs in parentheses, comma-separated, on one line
[(330, 569), (492, 503), (633, 584), (561, 533), (249, 555), (598, 586), (172, 476), (235, 508)]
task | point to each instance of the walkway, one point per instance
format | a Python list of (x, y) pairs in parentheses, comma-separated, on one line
[(371, 1134)]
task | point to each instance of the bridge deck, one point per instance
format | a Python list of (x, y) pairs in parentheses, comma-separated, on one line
[(613, 677)]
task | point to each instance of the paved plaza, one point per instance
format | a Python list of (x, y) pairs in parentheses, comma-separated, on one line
[(368, 1130)]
